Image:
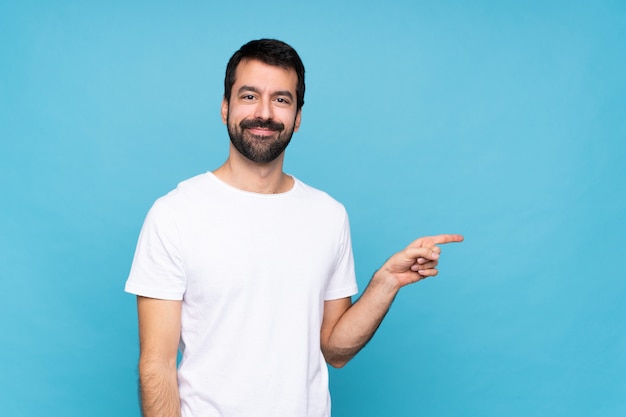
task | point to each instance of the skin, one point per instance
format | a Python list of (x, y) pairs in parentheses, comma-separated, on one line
[(159, 334), (267, 92), (347, 327), (268, 101)]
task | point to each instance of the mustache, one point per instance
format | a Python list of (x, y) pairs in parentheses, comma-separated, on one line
[(262, 123)]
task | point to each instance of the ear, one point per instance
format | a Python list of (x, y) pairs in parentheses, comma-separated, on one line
[(224, 110), (296, 125)]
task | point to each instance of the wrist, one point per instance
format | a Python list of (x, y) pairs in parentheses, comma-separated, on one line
[(385, 282)]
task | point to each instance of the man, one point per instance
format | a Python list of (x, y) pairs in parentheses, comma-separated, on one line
[(249, 272)]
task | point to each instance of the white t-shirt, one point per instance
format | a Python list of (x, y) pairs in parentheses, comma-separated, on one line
[(253, 271)]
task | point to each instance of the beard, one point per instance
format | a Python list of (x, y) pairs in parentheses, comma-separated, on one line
[(259, 149)]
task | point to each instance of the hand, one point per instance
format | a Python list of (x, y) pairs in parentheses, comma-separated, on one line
[(418, 260)]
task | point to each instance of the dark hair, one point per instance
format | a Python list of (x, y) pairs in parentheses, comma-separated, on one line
[(270, 52)]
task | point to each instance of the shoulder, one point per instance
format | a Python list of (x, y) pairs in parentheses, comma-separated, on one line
[(187, 194), (318, 198), (190, 188)]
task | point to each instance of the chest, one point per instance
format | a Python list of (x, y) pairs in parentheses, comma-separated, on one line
[(238, 252)]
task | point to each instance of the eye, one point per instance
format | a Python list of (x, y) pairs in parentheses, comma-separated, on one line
[(283, 100), (247, 97)]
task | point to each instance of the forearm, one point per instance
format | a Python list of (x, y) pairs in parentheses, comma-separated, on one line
[(359, 323), (159, 389)]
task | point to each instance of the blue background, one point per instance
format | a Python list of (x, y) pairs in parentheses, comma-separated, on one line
[(503, 121)]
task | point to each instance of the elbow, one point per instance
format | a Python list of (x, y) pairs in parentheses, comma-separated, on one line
[(337, 363), (150, 366), (336, 359)]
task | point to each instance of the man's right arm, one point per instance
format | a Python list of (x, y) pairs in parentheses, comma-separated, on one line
[(159, 335)]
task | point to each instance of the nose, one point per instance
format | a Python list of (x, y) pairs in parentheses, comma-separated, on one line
[(263, 110)]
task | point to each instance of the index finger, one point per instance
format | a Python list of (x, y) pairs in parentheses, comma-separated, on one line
[(445, 238)]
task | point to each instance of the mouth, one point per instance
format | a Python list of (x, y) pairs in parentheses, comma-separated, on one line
[(260, 127), (260, 131)]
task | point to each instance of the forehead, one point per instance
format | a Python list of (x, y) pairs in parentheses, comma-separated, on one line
[(262, 76)]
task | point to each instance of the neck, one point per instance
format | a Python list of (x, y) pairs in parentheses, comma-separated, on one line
[(246, 175)]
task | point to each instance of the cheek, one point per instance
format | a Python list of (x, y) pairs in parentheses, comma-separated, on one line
[(232, 117), (238, 113), (289, 119)]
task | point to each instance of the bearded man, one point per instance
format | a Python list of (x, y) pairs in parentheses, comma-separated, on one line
[(249, 273)]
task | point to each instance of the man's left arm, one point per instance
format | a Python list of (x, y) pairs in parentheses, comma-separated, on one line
[(347, 327)]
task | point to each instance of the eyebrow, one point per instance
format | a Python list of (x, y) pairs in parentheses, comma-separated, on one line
[(248, 88)]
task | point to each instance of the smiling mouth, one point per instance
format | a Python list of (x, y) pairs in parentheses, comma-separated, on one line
[(261, 132), (261, 126)]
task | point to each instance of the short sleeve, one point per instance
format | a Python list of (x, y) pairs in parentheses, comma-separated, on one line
[(343, 280), (157, 270)]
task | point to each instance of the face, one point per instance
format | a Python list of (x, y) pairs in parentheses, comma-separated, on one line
[(262, 114)]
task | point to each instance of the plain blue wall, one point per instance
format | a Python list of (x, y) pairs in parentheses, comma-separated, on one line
[(501, 121)]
